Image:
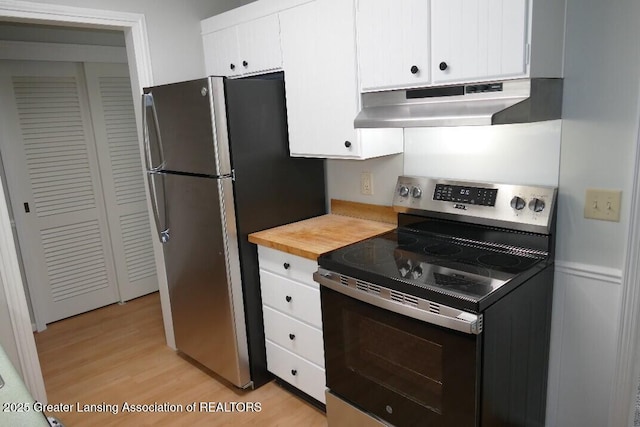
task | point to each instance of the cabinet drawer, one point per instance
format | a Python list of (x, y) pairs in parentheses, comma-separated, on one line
[(287, 265), (296, 371), (295, 336), (294, 299)]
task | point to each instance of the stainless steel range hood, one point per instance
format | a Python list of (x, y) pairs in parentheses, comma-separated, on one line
[(491, 103)]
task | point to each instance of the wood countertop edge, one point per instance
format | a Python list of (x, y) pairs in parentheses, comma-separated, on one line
[(284, 248)]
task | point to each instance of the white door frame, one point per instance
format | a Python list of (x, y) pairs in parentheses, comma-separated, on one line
[(139, 59), (625, 385)]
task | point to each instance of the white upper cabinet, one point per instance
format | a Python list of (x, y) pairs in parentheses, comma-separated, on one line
[(248, 48), (259, 45), (393, 43), (320, 71), (221, 52), (457, 41), (474, 40)]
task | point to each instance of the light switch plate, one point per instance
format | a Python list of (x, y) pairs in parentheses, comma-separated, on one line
[(602, 204)]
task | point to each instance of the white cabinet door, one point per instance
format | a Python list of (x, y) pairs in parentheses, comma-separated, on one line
[(320, 71), (259, 45), (249, 48), (221, 53), (393, 43), (318, 58), (475, 40)]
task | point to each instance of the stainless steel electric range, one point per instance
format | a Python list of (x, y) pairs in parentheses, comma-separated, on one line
[(444, 321)]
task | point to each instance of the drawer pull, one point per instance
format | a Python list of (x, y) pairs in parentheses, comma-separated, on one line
[(286, 265), (288, 298), (292, 337), (294, 372)]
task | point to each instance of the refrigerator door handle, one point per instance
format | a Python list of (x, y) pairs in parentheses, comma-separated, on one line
[(148, 104), (162, 227)]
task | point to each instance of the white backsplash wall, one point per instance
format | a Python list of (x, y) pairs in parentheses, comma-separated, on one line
[(520, 154), (514, 154), (343, 179)]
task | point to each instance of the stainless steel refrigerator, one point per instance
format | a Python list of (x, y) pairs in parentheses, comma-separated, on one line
[(219, 168)]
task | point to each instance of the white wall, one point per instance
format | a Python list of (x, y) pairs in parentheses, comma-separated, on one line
[(173, 31), (599, 134), (602, 72), (586, 304), (343, 179)]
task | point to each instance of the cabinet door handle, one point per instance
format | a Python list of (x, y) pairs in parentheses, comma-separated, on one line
[(292, 337), (414, 69), (294, 372), (288, 298), (443, 66), (347, 144), (286, 265), (244, 64), (232, 66)]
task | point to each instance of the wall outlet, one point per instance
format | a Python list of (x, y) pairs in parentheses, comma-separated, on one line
[(602, 204), (366, 183)]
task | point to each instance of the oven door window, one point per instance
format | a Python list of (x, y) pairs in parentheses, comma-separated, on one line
[(403, 370)]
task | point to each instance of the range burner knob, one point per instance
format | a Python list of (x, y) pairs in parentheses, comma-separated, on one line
[(405, 269), (416, 273), (517, 203), (536, 205), (416, 192), (403, 191)]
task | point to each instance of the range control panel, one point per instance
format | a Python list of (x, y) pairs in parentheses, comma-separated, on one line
[(520, 207), (465, 194)]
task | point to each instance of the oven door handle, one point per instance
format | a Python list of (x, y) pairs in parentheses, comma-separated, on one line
[(418, 308)]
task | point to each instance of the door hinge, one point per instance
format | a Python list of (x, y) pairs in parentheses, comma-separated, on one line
[(26, 207)]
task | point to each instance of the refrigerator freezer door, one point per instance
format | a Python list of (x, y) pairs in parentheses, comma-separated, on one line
[(182, 132), (208, 326)]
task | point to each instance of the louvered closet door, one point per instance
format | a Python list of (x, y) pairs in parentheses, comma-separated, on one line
[(52, 171), (112, 110)]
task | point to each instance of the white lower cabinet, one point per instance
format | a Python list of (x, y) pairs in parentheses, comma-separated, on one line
[(293, 335), (292, 320), (292, 298), (297, 371)]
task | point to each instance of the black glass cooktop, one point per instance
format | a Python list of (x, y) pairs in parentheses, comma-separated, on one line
[(427, 264)]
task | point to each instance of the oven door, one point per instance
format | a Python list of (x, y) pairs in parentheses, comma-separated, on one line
[(402, 370)]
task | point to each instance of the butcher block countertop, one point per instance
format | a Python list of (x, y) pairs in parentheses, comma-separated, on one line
[(315, 236)]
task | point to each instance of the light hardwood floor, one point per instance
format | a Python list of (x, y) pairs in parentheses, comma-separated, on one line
[(118, 354)]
